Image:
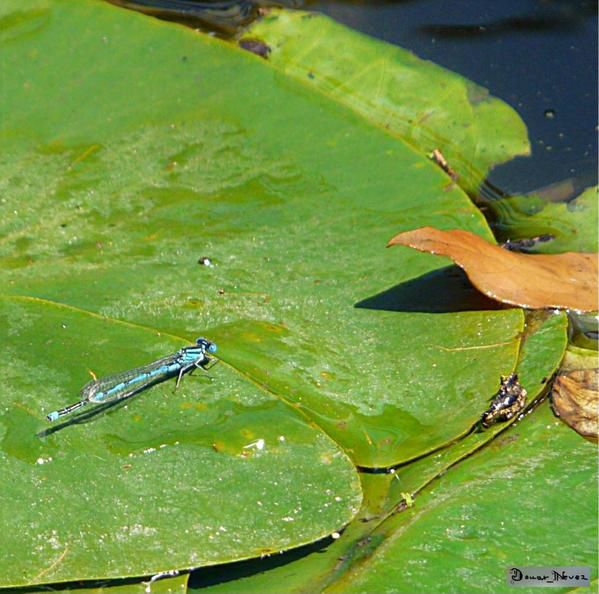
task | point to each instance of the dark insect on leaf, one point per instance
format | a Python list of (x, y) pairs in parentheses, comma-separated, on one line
[(507, 403)]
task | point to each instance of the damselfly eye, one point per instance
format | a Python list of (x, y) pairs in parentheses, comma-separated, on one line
[(206, 344)]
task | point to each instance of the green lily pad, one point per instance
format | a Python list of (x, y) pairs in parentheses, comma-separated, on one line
[(303, 570), (425, 105), (502, 507), (573, 225), (434, 389), (542, 349), (148, 178), (122, 495), (159, 185)]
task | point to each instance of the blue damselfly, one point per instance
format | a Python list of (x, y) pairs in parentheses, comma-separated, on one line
[(122, 385)]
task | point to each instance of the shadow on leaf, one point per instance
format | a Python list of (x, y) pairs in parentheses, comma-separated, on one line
[(444, 290), (85, 416), (220, 574)]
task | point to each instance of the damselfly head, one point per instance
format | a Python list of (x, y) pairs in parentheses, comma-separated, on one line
[(206, 345)]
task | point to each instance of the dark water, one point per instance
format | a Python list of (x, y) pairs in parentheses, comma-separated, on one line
[(537, 55)]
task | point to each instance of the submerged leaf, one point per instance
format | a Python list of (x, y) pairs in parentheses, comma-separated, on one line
[(572, 226), (565, 281)]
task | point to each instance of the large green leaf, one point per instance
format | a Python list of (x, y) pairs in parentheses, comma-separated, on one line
[(131, 149), (303, 570), (501, 507), (422, 103), (161, 485), (402, 397), (295, 233), (542, 350)]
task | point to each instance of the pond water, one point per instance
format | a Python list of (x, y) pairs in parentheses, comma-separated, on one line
[(537, 55)]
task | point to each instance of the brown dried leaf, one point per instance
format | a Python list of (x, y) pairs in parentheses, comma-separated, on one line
[(534, 281), (575, 398)]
